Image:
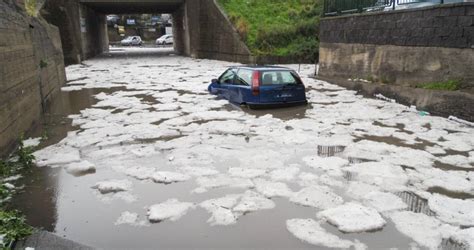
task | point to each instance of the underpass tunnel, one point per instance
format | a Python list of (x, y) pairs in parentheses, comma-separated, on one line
[(97, 35), (85, 33), (201, 28)]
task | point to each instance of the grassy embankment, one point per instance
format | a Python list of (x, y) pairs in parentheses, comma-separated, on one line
[(277, 27)]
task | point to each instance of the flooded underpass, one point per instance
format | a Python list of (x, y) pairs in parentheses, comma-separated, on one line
[(129, 144)]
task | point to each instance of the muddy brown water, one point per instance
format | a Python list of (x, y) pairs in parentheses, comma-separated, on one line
[(64, 204)]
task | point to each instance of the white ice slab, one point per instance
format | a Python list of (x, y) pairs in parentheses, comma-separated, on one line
[(384, 202), (169, 210), (272, 189), (167, 177), (353, 218), (425, 230), (321, 197), (453, 211), (77, 168), (310, 231), (113, 186)]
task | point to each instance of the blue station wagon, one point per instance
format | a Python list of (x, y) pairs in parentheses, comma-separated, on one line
[(260, 87)]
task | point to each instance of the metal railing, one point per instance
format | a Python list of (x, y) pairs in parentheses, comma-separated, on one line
[(402, 2), (341, 7)]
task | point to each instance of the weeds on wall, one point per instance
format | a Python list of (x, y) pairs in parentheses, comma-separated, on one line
[(13, 224), (277, 28), (33, 7), (450, 85)]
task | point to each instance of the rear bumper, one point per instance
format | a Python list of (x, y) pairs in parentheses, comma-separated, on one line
[(276, 105)]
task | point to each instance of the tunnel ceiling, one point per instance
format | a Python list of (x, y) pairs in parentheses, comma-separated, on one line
[(133, 6)]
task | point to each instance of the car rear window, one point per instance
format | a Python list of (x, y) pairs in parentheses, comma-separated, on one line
[(278, 78)]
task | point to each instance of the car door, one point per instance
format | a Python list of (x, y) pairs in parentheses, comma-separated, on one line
[(223, 83), (241, 86)]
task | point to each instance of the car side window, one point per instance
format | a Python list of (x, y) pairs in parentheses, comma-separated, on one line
[(244, 77), (227, 77)]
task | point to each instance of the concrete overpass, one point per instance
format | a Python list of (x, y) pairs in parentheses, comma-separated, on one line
[(201, 28), (132, 7)]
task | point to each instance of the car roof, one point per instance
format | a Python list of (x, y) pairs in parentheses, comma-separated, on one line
[(262, 67)]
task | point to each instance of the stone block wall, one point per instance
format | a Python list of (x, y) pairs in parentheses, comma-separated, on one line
[(405, 47), (31, 71), (396, 51), (450, 26)]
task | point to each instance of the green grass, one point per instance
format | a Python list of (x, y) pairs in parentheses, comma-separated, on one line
[(451, 85), (277, 27), (13, 224)]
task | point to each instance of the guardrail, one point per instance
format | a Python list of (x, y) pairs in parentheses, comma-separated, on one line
[(341, 7), (402, 2)]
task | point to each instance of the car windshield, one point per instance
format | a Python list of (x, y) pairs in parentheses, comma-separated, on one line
[(278, 78)]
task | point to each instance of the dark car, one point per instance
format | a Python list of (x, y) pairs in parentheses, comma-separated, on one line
[(260, 87)]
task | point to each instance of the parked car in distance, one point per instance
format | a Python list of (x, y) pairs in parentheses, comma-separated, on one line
[(165, 39), (260, 87), (132, 41)]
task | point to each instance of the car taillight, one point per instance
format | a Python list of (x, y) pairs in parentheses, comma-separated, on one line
[(256, 83)]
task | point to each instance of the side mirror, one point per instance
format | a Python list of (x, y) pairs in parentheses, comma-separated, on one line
[(215, 81)]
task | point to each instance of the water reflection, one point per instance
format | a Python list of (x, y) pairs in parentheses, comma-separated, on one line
[(281, 113), (41, 189), (416, 203), (450, 244), (329, 151), (38, 200)]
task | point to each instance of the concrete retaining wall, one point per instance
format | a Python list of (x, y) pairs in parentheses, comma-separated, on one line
[(218, 38), (93, 28), (31, 71), (404, 48), (202, 30), (66, 18)]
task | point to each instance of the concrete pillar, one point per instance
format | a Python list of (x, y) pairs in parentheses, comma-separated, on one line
[(186, 28), (93, 28), (178, 31), (64, 14)]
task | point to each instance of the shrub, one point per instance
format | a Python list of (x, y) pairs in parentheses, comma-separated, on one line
[(277, 27)]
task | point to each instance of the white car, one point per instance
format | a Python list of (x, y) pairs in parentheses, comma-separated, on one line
[(132, 41), (166, 39)]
